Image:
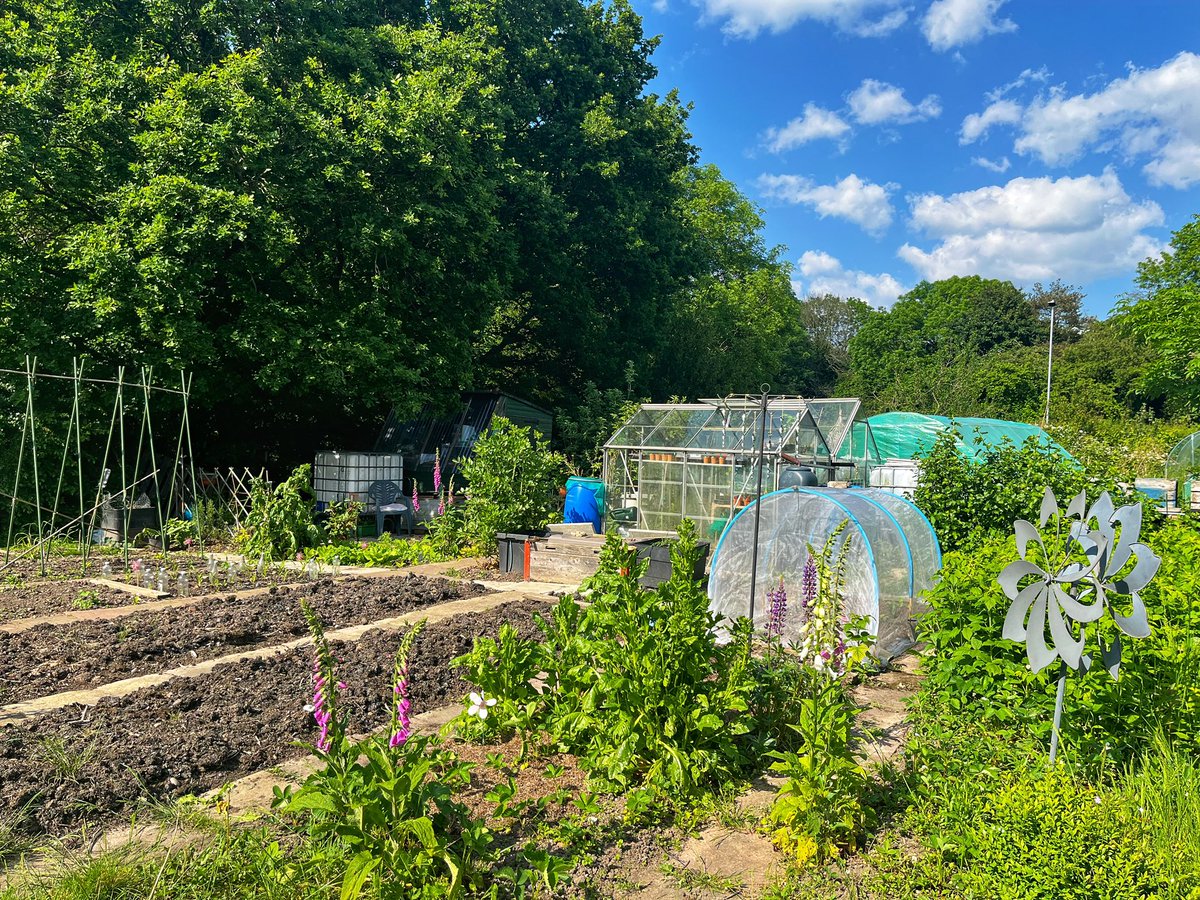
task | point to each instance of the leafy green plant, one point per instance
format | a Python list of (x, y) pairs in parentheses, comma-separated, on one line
[(280, 521), (968, 502), (341, 524), (637, 684), (85, 599), (820, 809), (385, 802), (385, 552), (511, 478), (973, 673)]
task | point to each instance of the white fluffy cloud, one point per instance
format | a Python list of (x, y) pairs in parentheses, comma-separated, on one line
[(816, 124), (864, 18), (862, 202), (1151, 113), (952, 23), (999, 166), (877, 102), (825, 274), (1034, 229), (1000, 112)]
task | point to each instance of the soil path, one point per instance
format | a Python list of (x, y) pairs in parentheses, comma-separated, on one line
[(16, 712)]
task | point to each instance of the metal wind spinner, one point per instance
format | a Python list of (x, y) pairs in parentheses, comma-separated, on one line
[(1053, 605)]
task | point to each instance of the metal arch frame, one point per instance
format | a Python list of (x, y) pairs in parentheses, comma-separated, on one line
[(849, 515)]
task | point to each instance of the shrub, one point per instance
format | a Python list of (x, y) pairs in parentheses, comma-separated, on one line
[(511, 479), (342, 521), (280, 521), (976, 674), (968, 502)]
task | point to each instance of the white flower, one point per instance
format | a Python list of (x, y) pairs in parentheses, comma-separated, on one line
[(480, 705)]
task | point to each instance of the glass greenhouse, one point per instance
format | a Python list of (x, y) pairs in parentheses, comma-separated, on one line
[(672, 461), (1183, 467), (892, 556)]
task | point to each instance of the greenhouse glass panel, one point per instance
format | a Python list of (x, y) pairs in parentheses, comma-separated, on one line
[(700, 460), (1183, 467), (891, 556)]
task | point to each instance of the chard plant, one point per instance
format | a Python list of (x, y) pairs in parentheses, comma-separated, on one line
[(636, 684)]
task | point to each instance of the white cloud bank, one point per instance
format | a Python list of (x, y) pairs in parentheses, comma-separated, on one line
[(1033, 229), (825, 274), (862, 202), (863, 18), (877, 102), (816, 124), (1151, 113), (953, 23)]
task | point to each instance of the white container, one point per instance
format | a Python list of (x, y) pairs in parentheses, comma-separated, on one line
[(347, 475), (898, 476)]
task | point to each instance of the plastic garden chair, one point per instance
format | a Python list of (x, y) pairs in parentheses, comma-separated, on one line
[(385, 500)]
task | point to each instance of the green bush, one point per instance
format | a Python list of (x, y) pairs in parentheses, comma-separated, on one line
[(968, 502), (636, 684), (280, 521), (511, 479), (1049, 836), (978, 675)]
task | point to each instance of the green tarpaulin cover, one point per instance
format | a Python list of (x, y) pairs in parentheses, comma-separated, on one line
[(905, 435)]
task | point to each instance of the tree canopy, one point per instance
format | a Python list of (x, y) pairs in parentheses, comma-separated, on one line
[(326, 208)]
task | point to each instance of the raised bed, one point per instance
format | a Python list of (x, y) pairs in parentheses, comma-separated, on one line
[(79, 767), (52, 658)]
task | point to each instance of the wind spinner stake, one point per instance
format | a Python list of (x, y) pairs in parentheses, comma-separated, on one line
[(1058, 598)]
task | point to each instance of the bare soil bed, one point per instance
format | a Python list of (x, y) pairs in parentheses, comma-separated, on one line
[(90, 766), (49, 659), (24, 600)]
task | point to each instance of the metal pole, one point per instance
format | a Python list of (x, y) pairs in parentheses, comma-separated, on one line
[(1049, 363), (762, 439), (1058, 711)]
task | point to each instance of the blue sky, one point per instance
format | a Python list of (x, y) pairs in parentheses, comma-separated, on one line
[(890, 141)]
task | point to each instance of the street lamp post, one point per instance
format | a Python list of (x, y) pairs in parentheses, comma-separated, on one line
[(1049, 364)]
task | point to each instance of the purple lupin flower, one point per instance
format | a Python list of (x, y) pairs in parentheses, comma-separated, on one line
[(777, 610), (401, 711), (808, 588)]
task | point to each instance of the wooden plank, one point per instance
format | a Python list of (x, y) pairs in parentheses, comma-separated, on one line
[(574, 529)]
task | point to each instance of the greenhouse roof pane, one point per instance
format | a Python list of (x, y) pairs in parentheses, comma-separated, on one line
[(835, 417)]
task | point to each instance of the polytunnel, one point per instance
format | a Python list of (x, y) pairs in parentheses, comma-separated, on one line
[(892, 556)]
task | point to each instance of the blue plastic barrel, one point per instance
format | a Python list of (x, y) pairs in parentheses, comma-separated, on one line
[(581, 506), (595, 485)]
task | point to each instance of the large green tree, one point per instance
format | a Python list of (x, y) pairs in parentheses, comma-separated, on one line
[(296, 201), (1165, 316), (915, 354)]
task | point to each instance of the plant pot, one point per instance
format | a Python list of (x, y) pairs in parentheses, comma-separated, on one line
[(658, 553)]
